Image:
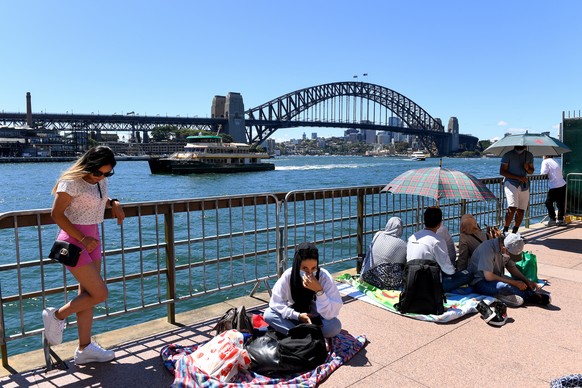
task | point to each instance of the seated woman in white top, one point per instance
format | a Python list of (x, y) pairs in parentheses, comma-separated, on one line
[(305, 293)]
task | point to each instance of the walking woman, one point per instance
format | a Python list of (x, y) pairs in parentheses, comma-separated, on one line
[(305, 293), (81, 197)]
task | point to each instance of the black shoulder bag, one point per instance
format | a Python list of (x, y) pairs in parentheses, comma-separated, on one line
[(65, 253)]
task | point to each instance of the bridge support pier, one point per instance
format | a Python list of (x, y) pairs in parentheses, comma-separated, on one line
[(235, 113)]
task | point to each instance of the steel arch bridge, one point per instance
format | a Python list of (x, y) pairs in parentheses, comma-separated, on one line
[(346, 105)]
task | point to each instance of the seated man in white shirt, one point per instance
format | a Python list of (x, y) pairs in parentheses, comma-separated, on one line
[(426, 244)]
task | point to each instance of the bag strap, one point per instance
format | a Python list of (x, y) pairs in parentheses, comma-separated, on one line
[(476, 238)]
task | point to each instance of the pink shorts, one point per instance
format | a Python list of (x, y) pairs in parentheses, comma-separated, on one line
[(85, 257)]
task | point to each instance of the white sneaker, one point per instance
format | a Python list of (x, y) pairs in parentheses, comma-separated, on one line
[(550, 223), (93, 353), (53, 327), (511, 300)]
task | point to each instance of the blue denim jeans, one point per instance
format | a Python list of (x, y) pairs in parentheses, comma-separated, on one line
[(330, 327), (494, 288), (456, 280)]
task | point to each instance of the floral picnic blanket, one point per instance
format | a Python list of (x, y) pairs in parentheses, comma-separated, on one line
[(344, 346), (457, 304)]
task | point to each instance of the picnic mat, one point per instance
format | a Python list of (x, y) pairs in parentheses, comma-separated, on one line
[(458, 304), (344, 347)]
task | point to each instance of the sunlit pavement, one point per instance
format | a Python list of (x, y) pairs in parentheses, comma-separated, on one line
[(535, 346)]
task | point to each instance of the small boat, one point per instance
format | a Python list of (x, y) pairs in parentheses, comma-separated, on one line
[(418, 156), (208, 154)]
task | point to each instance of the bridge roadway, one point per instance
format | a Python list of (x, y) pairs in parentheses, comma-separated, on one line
[(535, 346), (69, 122)]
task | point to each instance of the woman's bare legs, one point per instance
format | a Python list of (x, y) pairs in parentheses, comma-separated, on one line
[(92, 291)]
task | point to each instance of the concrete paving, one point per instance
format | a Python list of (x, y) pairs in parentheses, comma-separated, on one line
[(535, 346)]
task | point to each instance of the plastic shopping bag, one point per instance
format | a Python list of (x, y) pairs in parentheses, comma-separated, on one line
[(528, 265), (222, 357)]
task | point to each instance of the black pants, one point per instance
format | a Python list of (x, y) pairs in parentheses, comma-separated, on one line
[(557, 195)]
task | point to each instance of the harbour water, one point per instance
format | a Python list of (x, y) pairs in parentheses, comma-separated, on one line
[(27, 186)]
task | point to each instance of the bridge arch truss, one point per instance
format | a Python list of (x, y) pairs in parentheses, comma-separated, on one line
[(341, 104)]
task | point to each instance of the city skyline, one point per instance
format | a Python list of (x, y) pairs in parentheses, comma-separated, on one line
[(498, 67)]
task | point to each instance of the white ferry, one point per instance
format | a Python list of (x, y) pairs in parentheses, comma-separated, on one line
[(208, 154), (418, 155)]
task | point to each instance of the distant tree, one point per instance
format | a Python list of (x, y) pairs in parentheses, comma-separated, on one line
[(468, 154), (401, 147), (164, 133), (483, 145)]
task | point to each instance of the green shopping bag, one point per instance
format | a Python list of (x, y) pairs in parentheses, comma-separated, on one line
[(528, 265)]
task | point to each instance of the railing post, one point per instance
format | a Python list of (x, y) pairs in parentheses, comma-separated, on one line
[(360, 231), (3, 347), (170, 261)]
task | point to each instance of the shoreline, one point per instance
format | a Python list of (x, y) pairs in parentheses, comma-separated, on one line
[(48, 159)]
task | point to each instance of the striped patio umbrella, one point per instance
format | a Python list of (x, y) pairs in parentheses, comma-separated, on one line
[(437, 183)]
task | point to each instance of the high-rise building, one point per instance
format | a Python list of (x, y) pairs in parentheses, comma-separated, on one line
[(370, 136), (313, 135)]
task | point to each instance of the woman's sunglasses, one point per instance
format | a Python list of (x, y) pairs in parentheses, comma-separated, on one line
[(99, 173)]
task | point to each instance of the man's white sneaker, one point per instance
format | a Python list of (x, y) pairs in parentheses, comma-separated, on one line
[(550, 223), (93, 353), (53, 327), (511, 300)]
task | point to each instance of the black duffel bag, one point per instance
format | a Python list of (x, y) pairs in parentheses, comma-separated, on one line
[(302, 349)]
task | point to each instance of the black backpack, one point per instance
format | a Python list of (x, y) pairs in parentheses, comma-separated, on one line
[(423, 289), (302, 349)]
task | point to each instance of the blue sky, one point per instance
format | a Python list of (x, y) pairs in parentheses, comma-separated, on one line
[(498, 66)]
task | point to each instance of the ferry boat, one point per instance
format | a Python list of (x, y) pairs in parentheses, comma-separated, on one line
[(208, 154), (418, 156)]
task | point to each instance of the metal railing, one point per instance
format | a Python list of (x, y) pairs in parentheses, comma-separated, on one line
[(573, 194), (178, 255)]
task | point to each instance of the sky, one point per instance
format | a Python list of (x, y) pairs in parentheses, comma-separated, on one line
[(498, 66)]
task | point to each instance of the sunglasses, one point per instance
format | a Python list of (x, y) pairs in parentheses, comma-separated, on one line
[(99, 173)]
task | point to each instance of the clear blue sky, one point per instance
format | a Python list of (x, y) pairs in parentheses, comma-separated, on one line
[(498, 66)]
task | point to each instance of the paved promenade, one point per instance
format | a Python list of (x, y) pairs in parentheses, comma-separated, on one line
[(535, 346)]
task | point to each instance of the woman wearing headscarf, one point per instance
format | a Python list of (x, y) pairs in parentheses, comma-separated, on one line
[(305, 293), (387, 246), (470, 238)]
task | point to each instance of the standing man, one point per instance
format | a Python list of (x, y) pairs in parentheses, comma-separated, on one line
[(557, 192), (515, 165), (427, 244)]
